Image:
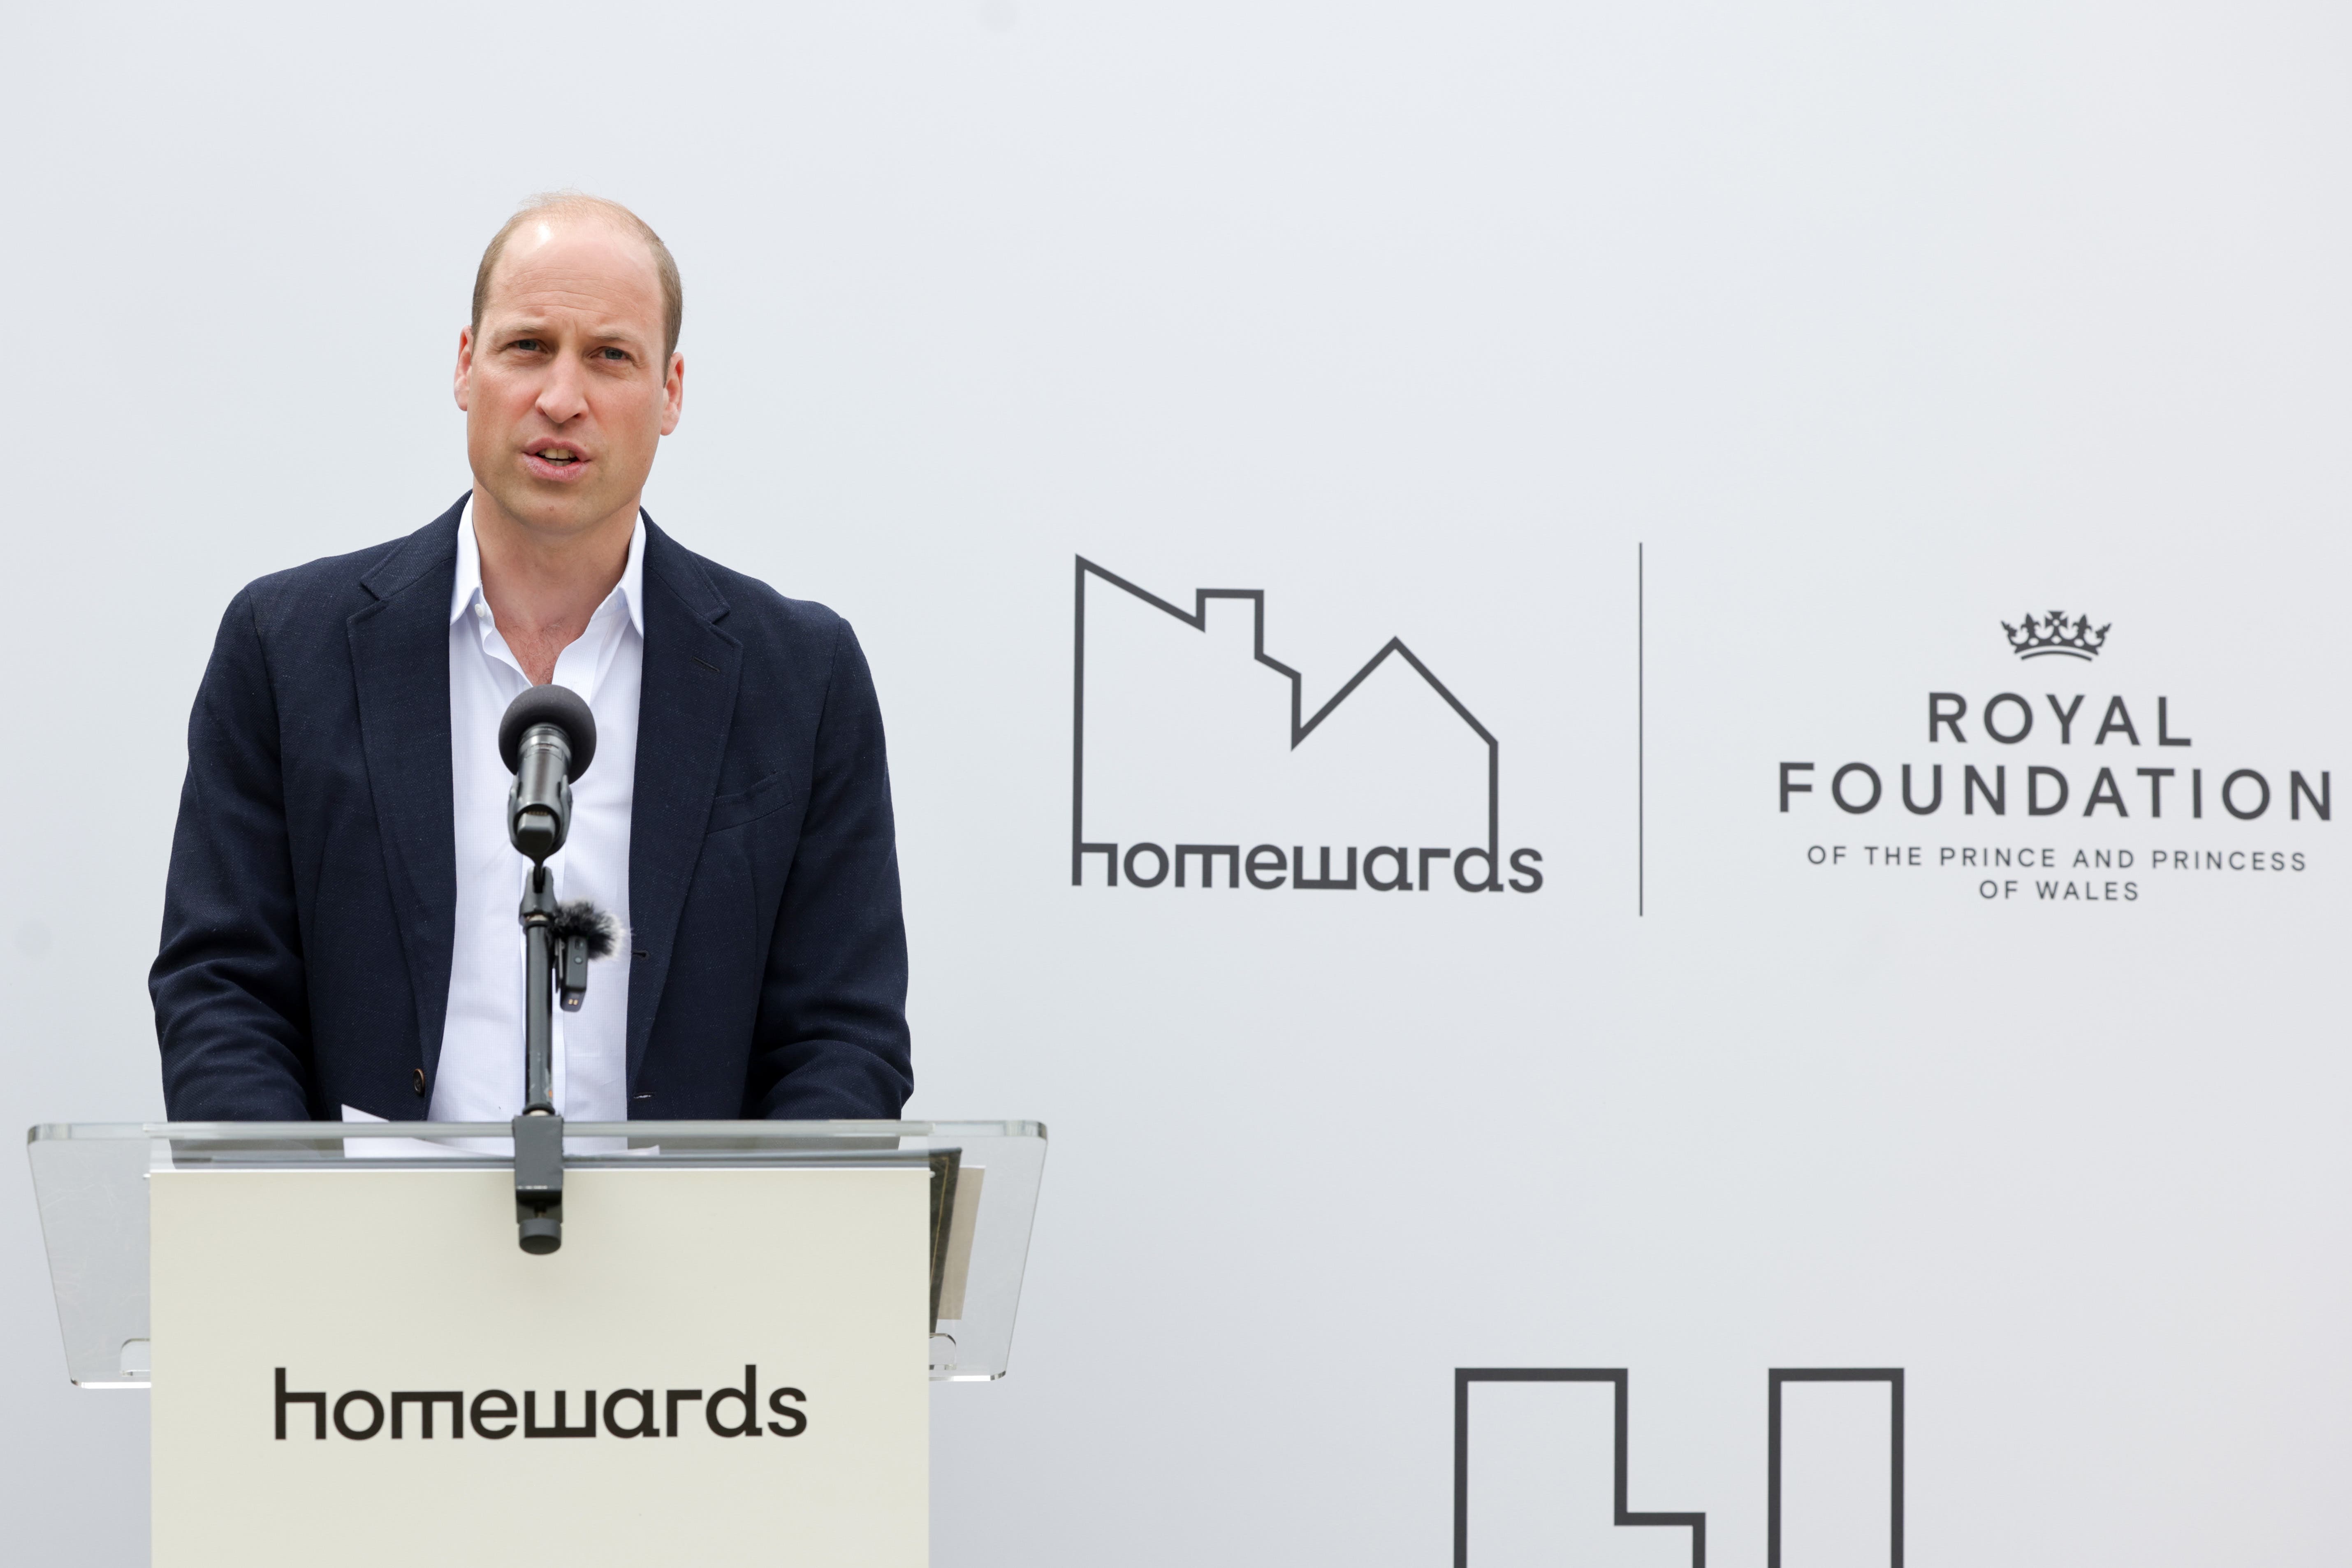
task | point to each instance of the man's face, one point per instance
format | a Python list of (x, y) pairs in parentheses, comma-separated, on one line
[(565, 389)]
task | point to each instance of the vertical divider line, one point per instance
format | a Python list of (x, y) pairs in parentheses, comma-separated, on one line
[(1078, 732), (1641, 733), (1461, 1467)]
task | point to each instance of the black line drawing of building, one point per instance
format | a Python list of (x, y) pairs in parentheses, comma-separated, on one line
[(1301, 726), (1890, 1376), (1464, 1377), (1696, 1523)]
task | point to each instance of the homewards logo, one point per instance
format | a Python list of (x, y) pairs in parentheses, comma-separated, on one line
[(1193, 752), (492, 1413)]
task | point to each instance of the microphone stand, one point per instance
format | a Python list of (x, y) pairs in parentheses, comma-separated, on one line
[(539, 1131), (547, 739)]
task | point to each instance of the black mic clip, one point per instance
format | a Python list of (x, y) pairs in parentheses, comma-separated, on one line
[(581, 933)]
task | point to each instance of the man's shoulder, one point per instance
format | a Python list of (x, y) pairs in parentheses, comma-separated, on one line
[(328, 591), (755, 610)]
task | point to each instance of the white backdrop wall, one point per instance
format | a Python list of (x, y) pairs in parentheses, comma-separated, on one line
[(1863, 329)]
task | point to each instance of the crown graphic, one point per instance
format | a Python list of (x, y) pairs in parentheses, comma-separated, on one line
[(2043, 636)]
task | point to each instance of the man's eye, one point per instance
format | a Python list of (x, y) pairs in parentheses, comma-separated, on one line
[(616, 355), (530, 345)]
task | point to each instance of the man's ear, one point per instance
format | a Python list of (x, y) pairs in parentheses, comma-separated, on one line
[(465, 364), (673, 392)]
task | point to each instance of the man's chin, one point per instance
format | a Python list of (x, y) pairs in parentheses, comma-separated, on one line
[(554, 507)]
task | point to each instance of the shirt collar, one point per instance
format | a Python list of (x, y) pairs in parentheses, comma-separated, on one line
[(630, 591)]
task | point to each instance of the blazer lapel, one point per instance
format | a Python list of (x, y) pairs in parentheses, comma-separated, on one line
[(684, 711), (400, 660)]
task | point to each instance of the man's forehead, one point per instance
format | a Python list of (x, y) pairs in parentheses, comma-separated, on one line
[(574, 264)]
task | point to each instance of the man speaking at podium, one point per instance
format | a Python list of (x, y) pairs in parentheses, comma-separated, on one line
[(340, 927)]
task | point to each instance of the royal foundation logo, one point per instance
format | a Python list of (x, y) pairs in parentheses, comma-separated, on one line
[(1196, 760), (2066, 795), (2042, 637)]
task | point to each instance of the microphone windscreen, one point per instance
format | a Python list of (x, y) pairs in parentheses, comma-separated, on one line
[(557, 705), (580, 918)]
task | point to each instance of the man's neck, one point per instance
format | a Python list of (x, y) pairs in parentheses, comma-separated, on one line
[(542, 587)]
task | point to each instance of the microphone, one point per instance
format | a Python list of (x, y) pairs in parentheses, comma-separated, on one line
[(548, 738), (581, 933)]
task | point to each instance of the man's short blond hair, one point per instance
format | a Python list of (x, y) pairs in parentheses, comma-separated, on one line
[(578, 204)]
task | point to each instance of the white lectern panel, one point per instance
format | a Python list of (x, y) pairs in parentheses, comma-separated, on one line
[(362, 1366)]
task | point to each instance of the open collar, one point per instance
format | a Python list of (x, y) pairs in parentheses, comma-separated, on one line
[(468, 585)]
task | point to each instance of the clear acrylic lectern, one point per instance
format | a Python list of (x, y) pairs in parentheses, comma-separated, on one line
[(90, 1181)]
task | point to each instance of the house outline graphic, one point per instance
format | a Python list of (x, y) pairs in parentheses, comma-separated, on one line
[(1300, 728)]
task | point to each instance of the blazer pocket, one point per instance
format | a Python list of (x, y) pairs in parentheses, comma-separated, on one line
[(770, 794)]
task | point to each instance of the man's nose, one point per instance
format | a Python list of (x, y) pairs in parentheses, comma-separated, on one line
[(564, 395)]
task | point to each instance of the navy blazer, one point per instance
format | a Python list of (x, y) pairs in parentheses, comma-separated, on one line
[(313, 901)]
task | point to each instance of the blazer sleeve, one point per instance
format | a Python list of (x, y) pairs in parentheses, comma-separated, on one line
[(232, 1011), (831, 1038)]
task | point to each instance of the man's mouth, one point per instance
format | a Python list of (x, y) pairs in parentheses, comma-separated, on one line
[(556, 460)]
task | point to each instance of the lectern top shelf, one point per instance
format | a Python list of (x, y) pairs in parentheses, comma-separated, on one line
[(91, 1181)]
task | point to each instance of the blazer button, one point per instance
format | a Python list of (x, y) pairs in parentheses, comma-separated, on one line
[(416, 1080)]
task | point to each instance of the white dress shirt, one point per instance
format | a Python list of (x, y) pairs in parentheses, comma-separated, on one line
[(481, 1077)]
